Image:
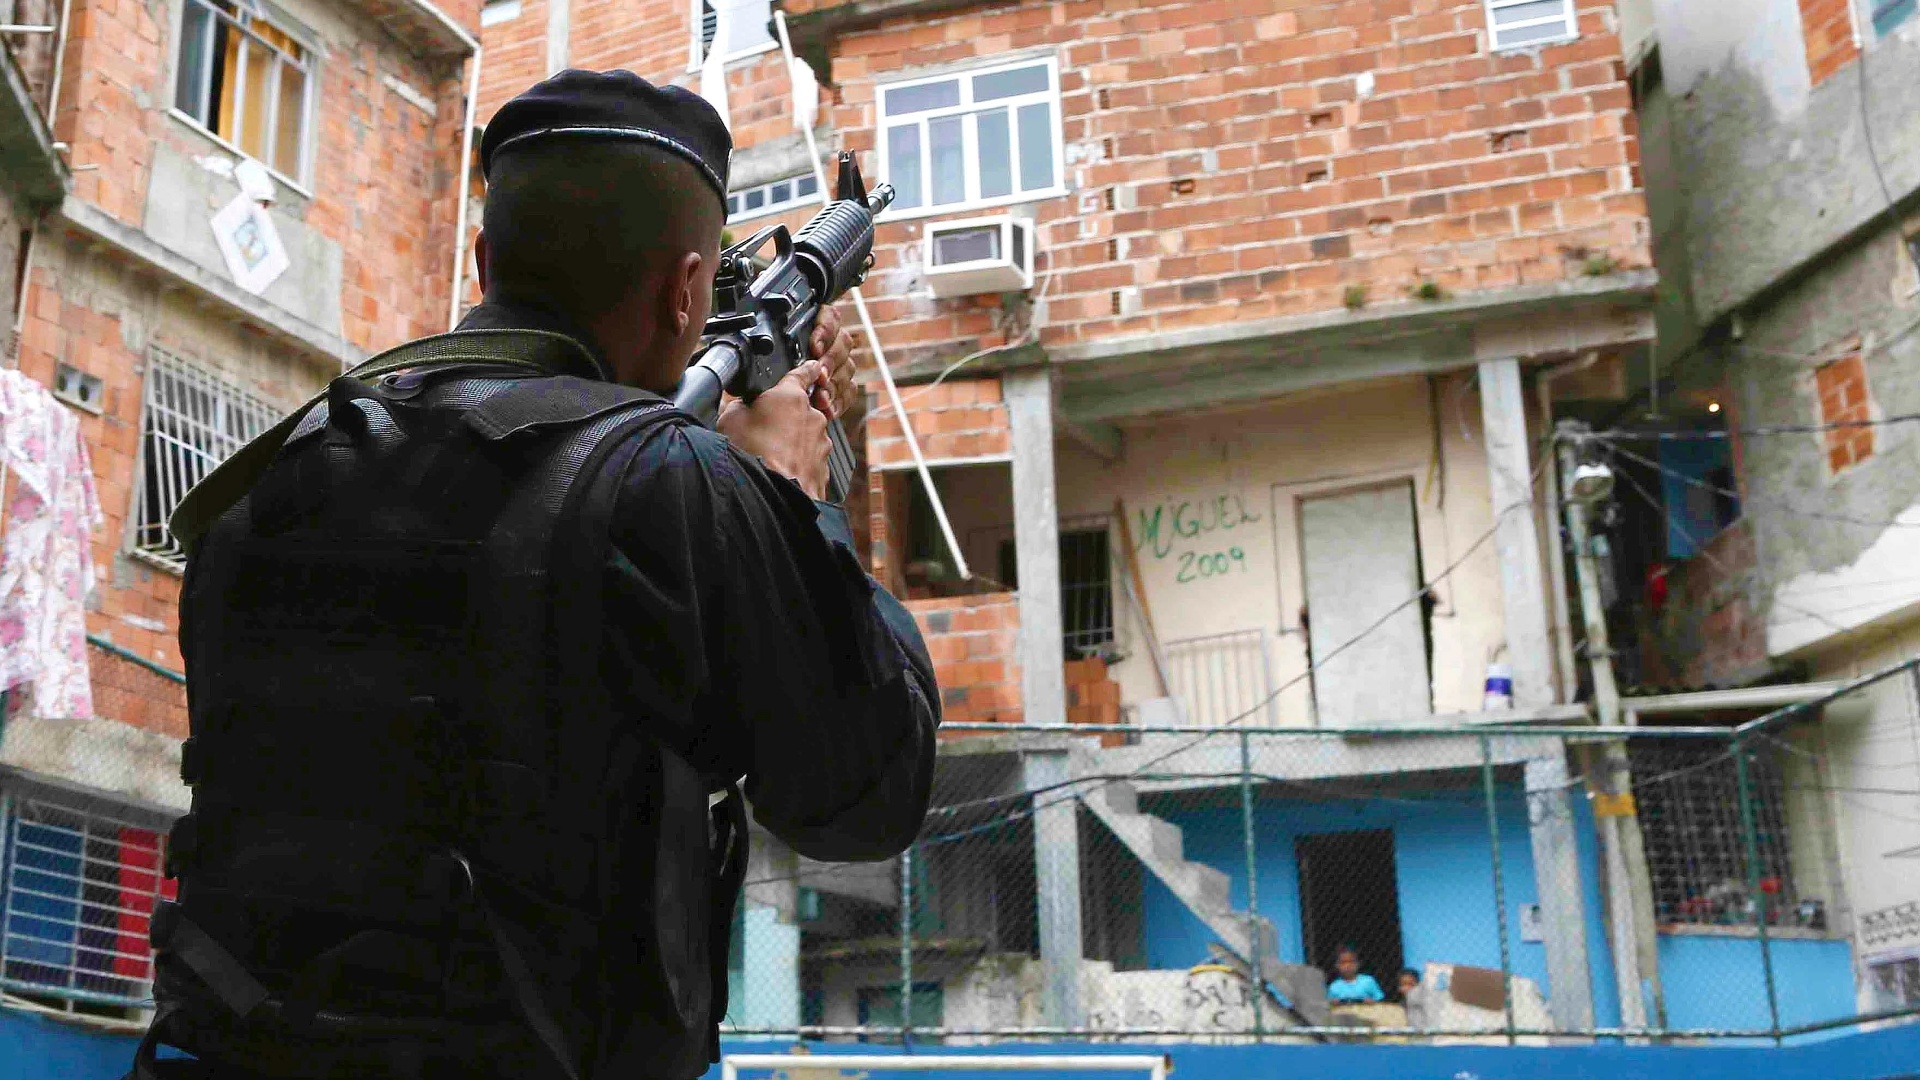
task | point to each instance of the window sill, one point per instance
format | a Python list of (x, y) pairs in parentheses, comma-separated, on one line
[(1779, 933), (200, 129), (1533, 46), (944, 209)]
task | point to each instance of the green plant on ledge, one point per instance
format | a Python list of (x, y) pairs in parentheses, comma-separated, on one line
[(1600, 265), (1355, 297), (1427, 289)]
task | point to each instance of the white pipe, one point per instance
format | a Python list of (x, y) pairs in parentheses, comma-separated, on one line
[(463, 176), (1155, 1065), (59, 62), (873, 338)]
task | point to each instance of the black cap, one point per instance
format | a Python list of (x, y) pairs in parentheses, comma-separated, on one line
[(614, 105)]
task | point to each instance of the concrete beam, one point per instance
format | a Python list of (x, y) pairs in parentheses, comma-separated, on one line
[(98, 756), (1556, 873), (776, 159), (1056, 871), (1516, 540), (89, 223), (1372, 323), (1036, 545), (1104, 441)]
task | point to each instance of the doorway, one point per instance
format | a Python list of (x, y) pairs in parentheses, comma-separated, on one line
[(1350, 895), (1360, 555)]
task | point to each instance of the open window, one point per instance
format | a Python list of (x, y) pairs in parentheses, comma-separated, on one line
[(244, 73)]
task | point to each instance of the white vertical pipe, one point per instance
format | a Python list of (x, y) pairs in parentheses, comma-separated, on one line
[(873, 339), (462, 177)]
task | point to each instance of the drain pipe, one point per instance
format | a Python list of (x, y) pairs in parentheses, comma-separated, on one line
[(463, 177)]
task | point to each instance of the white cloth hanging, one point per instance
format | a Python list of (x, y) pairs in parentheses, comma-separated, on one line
[(46, 560)]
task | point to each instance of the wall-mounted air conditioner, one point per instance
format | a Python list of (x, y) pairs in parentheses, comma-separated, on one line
[(979, 255)]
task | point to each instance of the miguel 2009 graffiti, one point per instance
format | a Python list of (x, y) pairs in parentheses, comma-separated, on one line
[(1167, 530)]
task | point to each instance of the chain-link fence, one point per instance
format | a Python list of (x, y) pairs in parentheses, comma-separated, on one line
[(1715, 871)]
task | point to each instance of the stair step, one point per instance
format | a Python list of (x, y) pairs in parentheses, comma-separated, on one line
[(1123, 797), (1168, 842)]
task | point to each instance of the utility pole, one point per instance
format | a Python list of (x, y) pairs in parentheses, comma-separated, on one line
[(1636, 957)]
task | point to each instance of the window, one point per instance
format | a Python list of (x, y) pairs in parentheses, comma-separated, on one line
[(77, 891), (1687, 793), (1517, 24), (749, 28), (1086, 585), (193, 421), (982, 138), (495, 12), (1895, 982), (768, 198), (246, 80), (1888, 14)]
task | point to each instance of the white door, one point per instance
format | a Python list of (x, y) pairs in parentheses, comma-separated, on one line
[(1362, 565)]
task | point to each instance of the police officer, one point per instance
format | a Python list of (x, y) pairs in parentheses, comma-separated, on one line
[(479, 644)]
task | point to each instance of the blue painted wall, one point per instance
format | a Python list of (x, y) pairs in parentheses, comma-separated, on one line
[(1446, 893), (36, 1048)]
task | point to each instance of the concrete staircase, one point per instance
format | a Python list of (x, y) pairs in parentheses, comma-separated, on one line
[(1159, 845)]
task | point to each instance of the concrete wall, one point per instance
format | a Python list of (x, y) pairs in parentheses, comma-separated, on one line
[(1871, 758), (1775, 169), (1446, 898), (1227, 481)]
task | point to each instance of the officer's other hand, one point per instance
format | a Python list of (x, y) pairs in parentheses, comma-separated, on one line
[(784, 429), (833, 346)]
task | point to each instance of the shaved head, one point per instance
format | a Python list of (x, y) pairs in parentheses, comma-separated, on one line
[(618, 237)]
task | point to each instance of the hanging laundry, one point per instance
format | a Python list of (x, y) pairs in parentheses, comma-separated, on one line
[(46, 557)]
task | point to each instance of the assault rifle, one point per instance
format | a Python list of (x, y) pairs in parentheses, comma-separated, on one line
[(763, 314)]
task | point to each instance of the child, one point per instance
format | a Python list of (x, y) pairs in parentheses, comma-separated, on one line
[(1352, 985)]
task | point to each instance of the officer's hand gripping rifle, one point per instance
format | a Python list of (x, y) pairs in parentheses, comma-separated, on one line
[(763, 318)]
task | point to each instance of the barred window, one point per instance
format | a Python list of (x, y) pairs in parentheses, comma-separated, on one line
[(1519, 24), (77, 892), (193, 421), (1688, 798)]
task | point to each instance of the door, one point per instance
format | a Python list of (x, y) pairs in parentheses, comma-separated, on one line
[(1350, 896), (1368, 643)]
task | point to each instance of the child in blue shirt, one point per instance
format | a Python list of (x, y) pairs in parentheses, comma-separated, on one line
[(1352, 985)]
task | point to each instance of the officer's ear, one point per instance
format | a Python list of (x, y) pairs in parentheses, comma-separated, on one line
[(684, 292), (481, 255)]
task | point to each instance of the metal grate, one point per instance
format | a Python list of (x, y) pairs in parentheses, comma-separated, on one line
[(77, 892), (193, 421), (1688, 800), (1086, 588), (1221, 678)]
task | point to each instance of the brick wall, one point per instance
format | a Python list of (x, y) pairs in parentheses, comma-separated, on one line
[(1226, 164), (1708, 633), (1840, 388), (131, 694), (513, 57), (1827, 26), (974, 642), (1093, 697), (959, 418)]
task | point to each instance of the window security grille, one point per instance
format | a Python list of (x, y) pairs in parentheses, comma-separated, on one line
[(193, 421)]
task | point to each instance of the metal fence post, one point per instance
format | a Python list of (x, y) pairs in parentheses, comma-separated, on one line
[(1256, 940), (1754, 896), (1499, 881), (906, 946)]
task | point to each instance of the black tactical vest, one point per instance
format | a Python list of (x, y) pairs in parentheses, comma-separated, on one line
[(421, 842)]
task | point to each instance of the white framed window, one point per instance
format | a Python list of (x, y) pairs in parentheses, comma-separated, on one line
[(495, 12), (245, 76), (772, 197), (748, 33), (1523, 24), (978, 138), (192, 421), (78, 884)]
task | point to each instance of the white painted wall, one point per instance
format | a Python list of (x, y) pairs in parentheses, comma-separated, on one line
[(1229, 481), (1871, 740), (1881, 586)]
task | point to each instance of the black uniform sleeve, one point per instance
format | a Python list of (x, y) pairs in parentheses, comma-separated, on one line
[(739, 621)]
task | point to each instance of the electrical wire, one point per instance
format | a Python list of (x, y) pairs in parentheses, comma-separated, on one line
[(1873, 153), (1631, 435), (1764, 500)]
